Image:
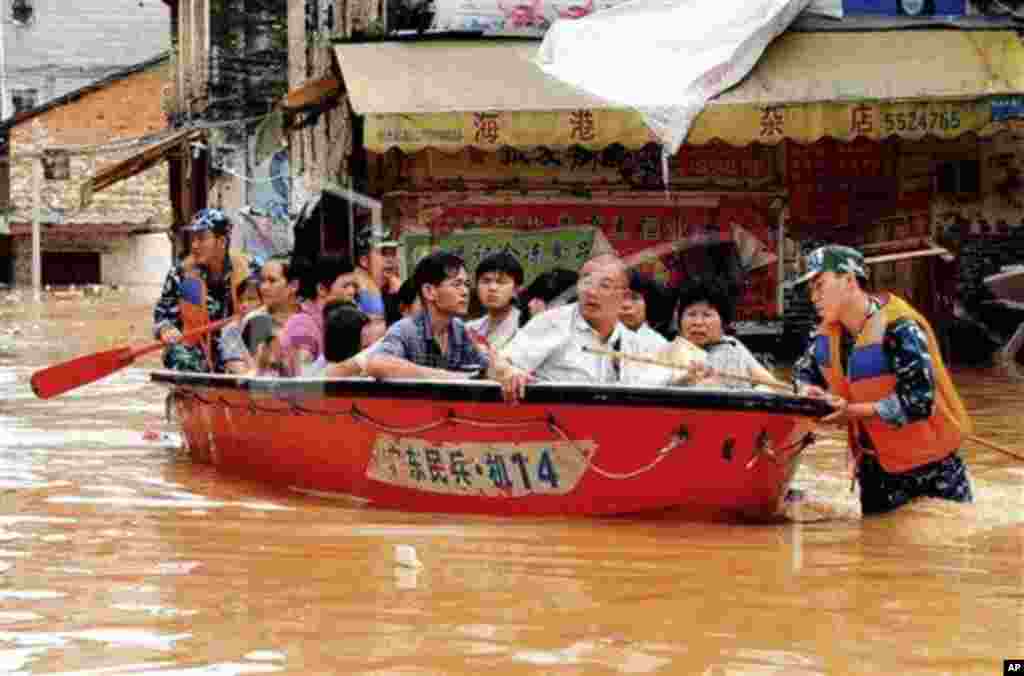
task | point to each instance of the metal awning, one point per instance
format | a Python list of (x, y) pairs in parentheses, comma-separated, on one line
[(489, 94), (136, 164)]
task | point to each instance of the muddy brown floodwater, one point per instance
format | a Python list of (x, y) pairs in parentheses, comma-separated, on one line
[(118, 555)]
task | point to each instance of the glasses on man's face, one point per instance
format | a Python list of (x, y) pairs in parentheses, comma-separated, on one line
[(602, 284)]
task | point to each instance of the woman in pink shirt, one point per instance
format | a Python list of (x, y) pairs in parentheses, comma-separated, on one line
[(302, 340)]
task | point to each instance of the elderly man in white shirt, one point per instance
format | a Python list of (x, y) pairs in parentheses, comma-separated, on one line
[(554, 345)]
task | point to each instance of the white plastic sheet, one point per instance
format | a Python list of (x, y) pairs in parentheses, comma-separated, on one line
[(533, 18), (665, 58)]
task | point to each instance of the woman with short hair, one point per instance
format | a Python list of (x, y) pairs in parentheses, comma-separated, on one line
[(705, 312)]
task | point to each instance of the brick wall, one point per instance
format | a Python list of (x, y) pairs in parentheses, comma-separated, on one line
[(125, 109)]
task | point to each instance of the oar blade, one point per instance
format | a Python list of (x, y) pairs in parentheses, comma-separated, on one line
[(59, 378)]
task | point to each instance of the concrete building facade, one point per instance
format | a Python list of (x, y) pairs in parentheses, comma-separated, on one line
[(65, 46)]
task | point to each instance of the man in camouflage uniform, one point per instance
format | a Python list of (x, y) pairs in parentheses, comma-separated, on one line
[(881, 365), (200, 289)]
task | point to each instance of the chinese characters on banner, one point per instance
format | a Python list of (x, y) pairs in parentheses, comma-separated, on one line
[(505, 470), (669, 242), (752, 167), (754, 164), (832, 183)]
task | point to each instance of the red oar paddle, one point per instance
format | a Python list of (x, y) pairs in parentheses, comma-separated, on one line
[(59, 378)]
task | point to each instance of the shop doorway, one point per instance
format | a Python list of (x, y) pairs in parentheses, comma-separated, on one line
[(64, 268)]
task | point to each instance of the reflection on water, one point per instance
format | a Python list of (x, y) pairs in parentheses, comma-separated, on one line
[(120, 556)]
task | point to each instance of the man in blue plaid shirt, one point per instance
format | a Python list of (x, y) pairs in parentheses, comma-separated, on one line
[(433, 343)]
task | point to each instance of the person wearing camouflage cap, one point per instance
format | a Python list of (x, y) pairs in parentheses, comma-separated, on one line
[(877, 361), (377, 270), (834, 258), (199, 289)]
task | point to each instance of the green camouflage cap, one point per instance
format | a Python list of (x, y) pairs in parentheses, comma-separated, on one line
[(833, 258)]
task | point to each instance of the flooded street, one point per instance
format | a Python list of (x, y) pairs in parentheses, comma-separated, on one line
[(118, 555)]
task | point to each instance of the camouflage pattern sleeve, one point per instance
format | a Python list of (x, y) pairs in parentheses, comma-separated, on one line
[(166, 312), (806, 370), (906, 346), (255, 267)]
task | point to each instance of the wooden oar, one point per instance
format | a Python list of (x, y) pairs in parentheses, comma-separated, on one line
[(59, 378), (996, 447), (672, 365)]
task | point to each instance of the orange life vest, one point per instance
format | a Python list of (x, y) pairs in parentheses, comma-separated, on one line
[(197, 316), (869, 377)]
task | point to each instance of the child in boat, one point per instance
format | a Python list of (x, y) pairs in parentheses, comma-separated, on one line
[(497, 278), (234, 355), (347, 331), (408, 299), (643, 295), (263, 341), (878, 362), (705, 309)]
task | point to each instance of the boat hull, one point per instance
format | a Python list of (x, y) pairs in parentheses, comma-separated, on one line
[(457, 448)]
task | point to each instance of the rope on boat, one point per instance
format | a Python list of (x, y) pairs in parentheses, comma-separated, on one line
[(390, 429), (661, 454), (550, 422), (778, 455)]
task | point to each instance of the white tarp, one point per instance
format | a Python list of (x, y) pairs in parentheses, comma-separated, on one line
[(665, 58), (533, 18)]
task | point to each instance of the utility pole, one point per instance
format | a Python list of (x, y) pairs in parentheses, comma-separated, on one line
[(4, 106), (37, 215)]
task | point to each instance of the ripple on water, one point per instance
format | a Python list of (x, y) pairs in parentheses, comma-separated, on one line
[(603, 652), (175, 567), (264, 656), (12, 519), (192, 503), (31, 594), (16, 616), (135, 638), (154, 610), (12, 661)]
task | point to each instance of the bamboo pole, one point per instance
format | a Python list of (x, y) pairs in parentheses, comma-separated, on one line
[(672, 365), (768, 383)]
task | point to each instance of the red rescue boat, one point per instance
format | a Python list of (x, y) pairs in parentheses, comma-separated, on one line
[(454, 446)]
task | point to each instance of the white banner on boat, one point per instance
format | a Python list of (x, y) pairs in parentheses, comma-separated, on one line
[(500, 469), (665, 58)]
